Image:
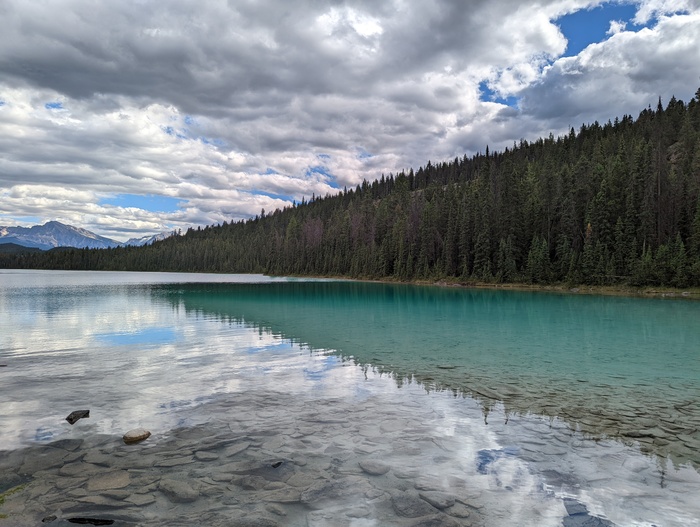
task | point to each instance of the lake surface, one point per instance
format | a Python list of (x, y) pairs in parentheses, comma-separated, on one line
[(310, 402)]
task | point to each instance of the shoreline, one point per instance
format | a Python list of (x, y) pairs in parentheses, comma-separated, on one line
[(692, 293)]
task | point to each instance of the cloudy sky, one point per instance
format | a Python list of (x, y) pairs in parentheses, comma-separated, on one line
[(133, 117)]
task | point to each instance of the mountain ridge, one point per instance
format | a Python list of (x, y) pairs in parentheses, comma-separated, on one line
[(54, 234)]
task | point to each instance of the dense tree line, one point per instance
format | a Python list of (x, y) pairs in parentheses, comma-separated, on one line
[(611, 203)]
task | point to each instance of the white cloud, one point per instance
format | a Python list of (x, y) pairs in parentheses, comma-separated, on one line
[(616, 26), (229, 107), (650, 9)]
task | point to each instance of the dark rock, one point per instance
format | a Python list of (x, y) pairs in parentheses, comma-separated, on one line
[(574, 507), (410, 506), (78, 414), (248, 521), (90, 521), (49, 519), (438, 521), (585, 520), (579, 516)]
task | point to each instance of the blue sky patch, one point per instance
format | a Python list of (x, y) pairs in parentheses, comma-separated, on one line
[(145, 336), (173, 132), (588, 26), (2, 103), (209, 141), (487, 94), (57, 105), (318, 169), (14, 220), (149, 202), (364, 154), (323, 171)]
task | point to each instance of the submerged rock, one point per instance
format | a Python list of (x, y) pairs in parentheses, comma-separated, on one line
[(410, 506), (178, 491), (77, 414), (90, 521), (374, 468), (580, 517), (439, 500), (136, 435), (117, 479)]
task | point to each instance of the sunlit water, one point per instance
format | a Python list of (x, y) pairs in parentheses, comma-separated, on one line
[(514, 402)]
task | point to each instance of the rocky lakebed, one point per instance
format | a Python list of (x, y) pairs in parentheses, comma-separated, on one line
[(262, 459)]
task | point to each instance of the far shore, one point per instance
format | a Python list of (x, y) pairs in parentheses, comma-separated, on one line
[(691, 293)]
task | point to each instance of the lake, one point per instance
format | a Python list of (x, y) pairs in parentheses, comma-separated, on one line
[(275, 401)]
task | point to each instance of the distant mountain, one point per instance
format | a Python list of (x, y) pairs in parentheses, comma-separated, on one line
[(148, 240), (54, 234)]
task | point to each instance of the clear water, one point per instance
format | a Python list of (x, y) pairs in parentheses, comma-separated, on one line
[(530, 398)]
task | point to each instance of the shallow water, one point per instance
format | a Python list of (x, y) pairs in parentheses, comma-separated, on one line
[(515, 408)]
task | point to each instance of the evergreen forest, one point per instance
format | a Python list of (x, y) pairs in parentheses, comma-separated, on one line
[(613, 203)]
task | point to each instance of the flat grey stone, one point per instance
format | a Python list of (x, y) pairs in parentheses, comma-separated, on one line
[(117, 494), (102, 501), (458, 510), (67, 444), (141, 500), (358, 512), (236, 449), (44, 459), (80, 469), (275, 509), (250, 482), (253, 521), (395, 425), (410, 506), (205, 456), (374, 468), (439, 500), (174, 462), (286, 495), (178, 491), (321, 492), (98, 458), (77, 493), (117, 479), (65, 483)]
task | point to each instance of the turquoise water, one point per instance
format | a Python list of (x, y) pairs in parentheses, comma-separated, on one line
[(560, 395), (611, 366)]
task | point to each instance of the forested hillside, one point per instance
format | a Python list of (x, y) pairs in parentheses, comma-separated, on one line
[(612, 203)]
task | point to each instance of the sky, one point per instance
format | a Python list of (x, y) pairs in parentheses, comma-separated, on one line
[(140, 116)]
